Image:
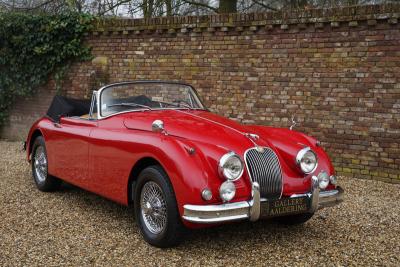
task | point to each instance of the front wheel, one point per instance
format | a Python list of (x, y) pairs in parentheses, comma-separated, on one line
[(294, 219), (156, 210), (43, 180)]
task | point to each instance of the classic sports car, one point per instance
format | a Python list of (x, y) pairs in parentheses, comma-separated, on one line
[(154, 145)]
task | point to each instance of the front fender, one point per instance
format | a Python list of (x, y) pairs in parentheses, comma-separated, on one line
[(287, 144), (35, 130), (192, 167)]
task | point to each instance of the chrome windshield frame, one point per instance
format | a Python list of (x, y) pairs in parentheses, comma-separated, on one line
[(92, 103), (100, 91)]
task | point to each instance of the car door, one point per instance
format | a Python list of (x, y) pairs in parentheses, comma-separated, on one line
[(68, 149)]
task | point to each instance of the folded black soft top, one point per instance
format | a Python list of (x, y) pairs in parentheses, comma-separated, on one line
[(63, 106)]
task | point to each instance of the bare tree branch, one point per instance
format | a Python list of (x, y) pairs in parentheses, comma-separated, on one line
[(112, 6), (261, 3), (28, 8), (201, 5)]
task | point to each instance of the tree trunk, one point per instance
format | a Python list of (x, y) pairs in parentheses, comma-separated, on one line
[(150, 9), (227, 6), (168, 4), (145, 9)]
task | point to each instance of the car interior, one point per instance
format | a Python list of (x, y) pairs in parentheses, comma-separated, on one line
[(80, 108)]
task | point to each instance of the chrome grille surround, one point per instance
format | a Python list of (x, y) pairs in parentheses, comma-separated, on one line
[(265, 169)]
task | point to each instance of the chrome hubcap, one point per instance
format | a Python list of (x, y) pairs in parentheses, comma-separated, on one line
[(40, 164), (153, 207)]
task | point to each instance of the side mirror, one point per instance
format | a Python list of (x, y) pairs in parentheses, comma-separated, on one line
[(157, 126)]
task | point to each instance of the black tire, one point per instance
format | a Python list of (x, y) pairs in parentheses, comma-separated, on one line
[(173, 230), (294, 219), (43, 180)]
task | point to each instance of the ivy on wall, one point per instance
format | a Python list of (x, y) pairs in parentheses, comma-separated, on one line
[(34, 46)]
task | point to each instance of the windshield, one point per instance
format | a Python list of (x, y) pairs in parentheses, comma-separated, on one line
[(131, 96)]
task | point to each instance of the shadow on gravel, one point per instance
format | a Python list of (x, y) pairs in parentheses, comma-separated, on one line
[(219, 237)]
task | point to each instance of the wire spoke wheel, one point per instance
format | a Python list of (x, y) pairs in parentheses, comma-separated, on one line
[(40, 164), (153, 207)]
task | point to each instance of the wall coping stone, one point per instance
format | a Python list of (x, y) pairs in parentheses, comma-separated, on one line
[(224, 22)]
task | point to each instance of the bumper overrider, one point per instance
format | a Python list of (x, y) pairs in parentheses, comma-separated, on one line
[(255, 208)]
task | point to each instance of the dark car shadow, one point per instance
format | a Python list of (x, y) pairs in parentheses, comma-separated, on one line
[(219, 237), (87, 200)]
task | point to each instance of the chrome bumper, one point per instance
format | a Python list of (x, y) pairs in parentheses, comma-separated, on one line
[(252, 210)]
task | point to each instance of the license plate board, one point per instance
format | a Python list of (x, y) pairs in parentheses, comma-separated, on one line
[(287, 206)]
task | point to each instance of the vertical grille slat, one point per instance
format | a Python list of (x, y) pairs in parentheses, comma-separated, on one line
[(265, 169)]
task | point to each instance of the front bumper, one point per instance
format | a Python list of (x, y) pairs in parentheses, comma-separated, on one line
[(252, 210)]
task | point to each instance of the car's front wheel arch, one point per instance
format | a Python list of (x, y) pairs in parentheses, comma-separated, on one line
[(37, 133), (39, 163), (139, 166)]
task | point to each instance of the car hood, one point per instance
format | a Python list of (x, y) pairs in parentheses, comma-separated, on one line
[(194, 125), (206, 127)]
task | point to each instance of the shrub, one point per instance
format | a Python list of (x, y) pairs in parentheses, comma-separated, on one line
[(34, 46)]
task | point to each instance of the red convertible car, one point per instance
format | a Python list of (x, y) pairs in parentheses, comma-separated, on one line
[(154, 145)]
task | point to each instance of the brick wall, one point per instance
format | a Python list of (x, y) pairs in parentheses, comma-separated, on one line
[(336, 70)]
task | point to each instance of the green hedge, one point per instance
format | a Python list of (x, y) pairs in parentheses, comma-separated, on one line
[(32, 47)]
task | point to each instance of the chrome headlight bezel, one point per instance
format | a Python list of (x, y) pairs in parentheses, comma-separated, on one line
[(222, 168), (299, 157)]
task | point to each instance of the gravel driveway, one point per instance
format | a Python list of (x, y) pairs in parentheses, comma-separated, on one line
[(74, 227)]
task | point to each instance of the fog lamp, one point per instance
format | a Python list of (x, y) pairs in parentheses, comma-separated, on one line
[(333, 179), (227, 191), (323, 179)]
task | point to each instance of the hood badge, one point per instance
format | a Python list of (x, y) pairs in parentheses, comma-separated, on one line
[(260, 149), (294, 123), (253, 138)]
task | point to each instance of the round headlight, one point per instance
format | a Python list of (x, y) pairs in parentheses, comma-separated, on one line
[(230, 166), (307, 160), (323, 179), (227, 191)]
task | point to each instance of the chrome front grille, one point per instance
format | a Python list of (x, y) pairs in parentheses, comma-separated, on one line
[(265, 169)]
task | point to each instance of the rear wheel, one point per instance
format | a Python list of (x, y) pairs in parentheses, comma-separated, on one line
[(294, 219), (156, 210), (43, 180)]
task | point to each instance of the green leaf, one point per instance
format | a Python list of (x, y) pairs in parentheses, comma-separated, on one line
[(35, 46)]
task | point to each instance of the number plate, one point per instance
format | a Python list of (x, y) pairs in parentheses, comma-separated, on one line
[(287, 206)]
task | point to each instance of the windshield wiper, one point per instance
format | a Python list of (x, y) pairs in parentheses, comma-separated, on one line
[(129, 105), (177, 104)]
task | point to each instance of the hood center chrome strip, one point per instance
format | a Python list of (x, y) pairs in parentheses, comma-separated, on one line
[(251, 137)]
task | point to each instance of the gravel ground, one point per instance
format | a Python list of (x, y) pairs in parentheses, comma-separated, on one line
[(74, 227)]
